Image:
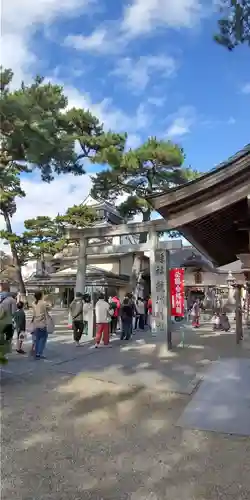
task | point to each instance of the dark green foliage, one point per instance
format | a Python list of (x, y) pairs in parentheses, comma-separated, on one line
[(93, 142), (44, 236), (32, 127), (152, 168), (234, 26), (77, 216), (38, 132)]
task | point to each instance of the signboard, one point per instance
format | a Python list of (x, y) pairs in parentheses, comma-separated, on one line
[(176, 277), (159, 295)]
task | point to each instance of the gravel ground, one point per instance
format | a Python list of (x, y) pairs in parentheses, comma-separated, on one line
[(76, 438)]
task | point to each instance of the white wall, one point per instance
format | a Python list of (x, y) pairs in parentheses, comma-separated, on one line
[(111, 266), (126, 264)]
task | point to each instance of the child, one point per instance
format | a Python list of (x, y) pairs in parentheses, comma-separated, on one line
[(20, 322), (216, 321)]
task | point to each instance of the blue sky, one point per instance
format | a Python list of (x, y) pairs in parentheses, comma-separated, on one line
[(147, 67)]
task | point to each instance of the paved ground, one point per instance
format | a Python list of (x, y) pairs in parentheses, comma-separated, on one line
[(102, 437), (222, 402)]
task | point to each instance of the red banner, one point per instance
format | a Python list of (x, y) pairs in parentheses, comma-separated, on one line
[(176, 277)]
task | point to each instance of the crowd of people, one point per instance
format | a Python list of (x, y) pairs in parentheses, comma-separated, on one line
[(12, 317), (125, 315), (109, 314)]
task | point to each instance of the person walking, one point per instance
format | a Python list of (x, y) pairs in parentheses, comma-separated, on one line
[(8, 306), (115, 307), (102, 313), (76, 310), (150, 311), (20, 323), (140, 314), (87, 310), (127, 319), (39, 321)]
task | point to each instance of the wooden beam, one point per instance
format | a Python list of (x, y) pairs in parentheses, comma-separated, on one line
[(207, 207), (199, 247), (206, 181), (120, 230), (140, 247)]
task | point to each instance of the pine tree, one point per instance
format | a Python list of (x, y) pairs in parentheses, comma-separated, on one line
[(45, 236), (38, 133), (234, 26), (10, 189), (152, 168)]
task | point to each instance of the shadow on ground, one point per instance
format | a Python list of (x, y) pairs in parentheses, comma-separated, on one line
[(146, 361), (99, 429), (75, 438)]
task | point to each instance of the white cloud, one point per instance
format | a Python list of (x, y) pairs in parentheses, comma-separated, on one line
[(140, 17), (138, 73), (49, 199), (181, 122), (143, 16), (91, 42), (157, 101), (246, 88), (100, 41), (112, 117), (179, 127), (19, 21)]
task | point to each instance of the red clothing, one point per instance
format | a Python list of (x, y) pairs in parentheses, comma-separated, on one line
[(102, 331), (150, 306), (118, 306)]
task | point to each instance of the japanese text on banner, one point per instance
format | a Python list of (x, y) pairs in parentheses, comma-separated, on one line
[(177, 291)]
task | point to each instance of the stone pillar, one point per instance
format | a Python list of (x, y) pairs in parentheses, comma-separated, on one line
[(168, 305), (81, 267), (238, 314), (153, 239), (159, 273)]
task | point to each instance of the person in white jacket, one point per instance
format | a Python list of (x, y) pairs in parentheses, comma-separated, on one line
[(140, 314), (102, 321), (87, 312)]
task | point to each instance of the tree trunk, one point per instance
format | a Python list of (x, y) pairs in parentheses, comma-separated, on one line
[(17, 264)]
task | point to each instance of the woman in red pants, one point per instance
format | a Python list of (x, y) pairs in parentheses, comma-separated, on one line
[(102, 321)]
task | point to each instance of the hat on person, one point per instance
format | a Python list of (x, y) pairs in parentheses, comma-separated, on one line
[(79, 295)]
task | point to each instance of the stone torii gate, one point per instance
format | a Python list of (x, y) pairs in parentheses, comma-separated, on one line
[(159, 258)]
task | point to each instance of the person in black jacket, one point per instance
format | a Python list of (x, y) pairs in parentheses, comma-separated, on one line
[(127, 312), (76, 310), (20, 322)]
